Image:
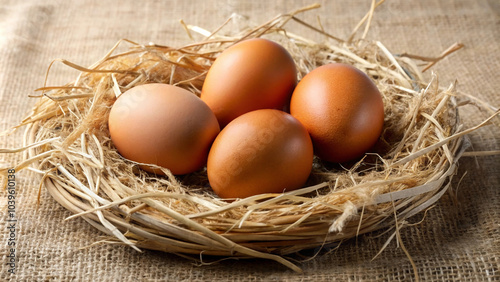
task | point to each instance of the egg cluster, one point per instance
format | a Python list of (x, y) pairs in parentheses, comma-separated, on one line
[(254, 127)]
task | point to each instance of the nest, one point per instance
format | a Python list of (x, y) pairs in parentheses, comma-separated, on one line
[(67, 142)]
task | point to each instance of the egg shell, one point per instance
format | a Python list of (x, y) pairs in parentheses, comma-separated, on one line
[(164, 125), (250, 75), (263, 151), (342, 110)]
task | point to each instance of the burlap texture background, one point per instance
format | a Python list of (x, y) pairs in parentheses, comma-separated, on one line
[(457, 241)]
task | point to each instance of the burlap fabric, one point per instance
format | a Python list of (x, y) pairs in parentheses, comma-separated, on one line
[(459, 239)]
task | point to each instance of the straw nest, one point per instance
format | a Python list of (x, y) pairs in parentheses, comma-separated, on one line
[(67, 142)]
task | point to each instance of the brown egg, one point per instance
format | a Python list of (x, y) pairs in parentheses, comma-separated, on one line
[(252, 74), (342, 110), (163, 125), (263, 151)]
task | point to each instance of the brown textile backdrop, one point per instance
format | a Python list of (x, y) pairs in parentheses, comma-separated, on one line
[(458, 240)]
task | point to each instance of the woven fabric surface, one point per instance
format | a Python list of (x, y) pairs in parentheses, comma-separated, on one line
[(458, 240)]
